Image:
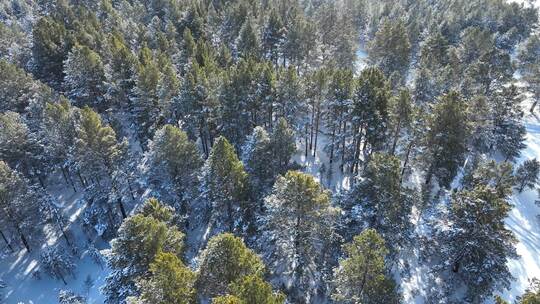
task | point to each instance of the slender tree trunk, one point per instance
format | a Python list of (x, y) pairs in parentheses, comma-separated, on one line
[(130, 188), (312, 126), (332, 144), (23, 239), (409, 148), (396, 136), (122, 209), (533, 105), (317, 119), (306, 138), (6, 240), (230, 216), (343, 139), (81, 178)]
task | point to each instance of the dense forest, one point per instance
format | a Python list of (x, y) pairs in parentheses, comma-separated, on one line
[(265, 151)]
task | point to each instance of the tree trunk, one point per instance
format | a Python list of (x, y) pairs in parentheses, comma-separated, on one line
[(306, 134), (332, 144), (396, 136), (534, 105), (6, 240), (317, 119), (409, 148), (122, 209), (312, 125)]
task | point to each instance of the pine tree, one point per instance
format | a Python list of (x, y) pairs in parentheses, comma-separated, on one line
[(49, 50), (267, 95), (401, 115), (434, 51), (272, 37), (370, 110), (476, 245), (196, 105), (379, 201), (240, 107), (509, 131), (20, 92), (300, 223), (248, 42), (500, 176), (20, 206), (84, 77), (228, 299), (175, 162), (170, 282), (225, 260), (225, 184), (527, 174), (120, 71), (446, 138), (140, 238), (282, 146), (144, 96), (257, 157), (529, 66), (59, 137), (290, 103), (96, 146), (57, 263), (19, 147), (336, 111), (390, 48), (362, 277), (252, 289)]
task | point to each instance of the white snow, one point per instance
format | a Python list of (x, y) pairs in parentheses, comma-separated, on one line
[(524, 221), (20, 271)]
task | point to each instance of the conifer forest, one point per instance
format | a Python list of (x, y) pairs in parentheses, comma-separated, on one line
[(269, 152)]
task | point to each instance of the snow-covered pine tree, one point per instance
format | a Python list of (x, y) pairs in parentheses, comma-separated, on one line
[(140, 238), (50, 45), (174, 165), (20, 207), (273, 34), (257, 157), (170, 281), (475, 244), (57, 263), (20, 147), (390, 49), (84, 77), (144, 96), (529, 66), (282, 145), (225, 260), (248, 44), (509, 131), (225, 186), (300, 226), (527, 174), (252, 289), (370, 111), (362, 276), (379, 201), (446, 138)]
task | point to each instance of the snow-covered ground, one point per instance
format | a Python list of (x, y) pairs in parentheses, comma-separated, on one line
[(524, 221), (27, 283)]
